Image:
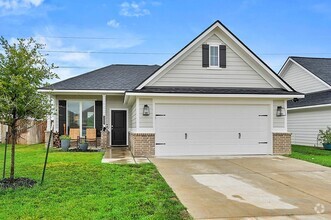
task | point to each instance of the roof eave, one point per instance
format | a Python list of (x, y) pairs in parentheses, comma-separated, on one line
[(283, 96), (60, 91), (309, 107)]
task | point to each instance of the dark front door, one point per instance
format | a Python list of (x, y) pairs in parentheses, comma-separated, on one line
[(118, 127)]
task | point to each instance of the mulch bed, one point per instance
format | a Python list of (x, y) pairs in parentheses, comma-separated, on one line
[(18, 182)]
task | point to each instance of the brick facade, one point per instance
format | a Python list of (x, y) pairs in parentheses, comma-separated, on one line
[(282, 143), (142, 144)]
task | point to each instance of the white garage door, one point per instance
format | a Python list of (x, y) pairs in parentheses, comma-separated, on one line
[(212, 129)]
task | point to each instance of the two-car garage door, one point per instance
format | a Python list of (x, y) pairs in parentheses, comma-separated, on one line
[(212, 129)]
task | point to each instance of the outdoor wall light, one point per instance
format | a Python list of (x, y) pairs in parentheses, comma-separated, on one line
[(146, 110), (280, 111)]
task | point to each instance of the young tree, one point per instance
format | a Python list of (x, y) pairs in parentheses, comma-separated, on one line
[(23, 69)]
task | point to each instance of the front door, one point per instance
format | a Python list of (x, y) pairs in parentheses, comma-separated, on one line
[(118, 127)]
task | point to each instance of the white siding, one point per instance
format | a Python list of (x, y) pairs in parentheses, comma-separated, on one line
[(133, 116), (189, 71), (304, 124), (145, 121), (301, 80), (278, 122), (116, 102)]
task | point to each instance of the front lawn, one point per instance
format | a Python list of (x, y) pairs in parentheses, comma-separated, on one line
[(312, 154), (78, 186)]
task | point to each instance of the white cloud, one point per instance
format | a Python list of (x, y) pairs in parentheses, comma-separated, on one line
[(72, 64), (18, 4), (133, 9), (19, 7), (113, 23)]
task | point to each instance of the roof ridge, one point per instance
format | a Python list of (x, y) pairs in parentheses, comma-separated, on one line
[(79, 75), (120, 64), (327, 58)]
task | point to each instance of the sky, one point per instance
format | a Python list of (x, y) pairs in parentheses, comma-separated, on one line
[(81, 36)]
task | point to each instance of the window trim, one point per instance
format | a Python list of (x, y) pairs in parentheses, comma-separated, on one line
[(217, 66)]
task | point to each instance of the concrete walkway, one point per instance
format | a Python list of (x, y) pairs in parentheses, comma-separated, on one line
[(249, 187), (122, 155)]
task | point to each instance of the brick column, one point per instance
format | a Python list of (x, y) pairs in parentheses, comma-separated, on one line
[(104, 140), (142, 144), (282, 143)]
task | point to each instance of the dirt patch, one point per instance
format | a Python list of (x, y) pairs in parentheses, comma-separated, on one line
[(16, 183)]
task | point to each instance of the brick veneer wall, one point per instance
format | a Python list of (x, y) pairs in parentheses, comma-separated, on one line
[(282, 143), (142, 144)]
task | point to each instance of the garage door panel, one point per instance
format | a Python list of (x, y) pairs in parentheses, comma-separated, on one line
[(212, 129)]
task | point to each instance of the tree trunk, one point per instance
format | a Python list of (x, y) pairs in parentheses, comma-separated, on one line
[(13, 142)]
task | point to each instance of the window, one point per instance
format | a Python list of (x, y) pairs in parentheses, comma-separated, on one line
[(213, 56), (81, 115), (87, 116)]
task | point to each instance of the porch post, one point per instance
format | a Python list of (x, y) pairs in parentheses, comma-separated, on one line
[(49, 119), (104, 132), (104, 106)]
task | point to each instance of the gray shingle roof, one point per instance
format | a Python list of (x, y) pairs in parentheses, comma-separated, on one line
[(113, 77), (311, 99), (321, 67), (213, 90)]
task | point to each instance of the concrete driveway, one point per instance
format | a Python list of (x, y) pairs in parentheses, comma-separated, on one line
[(246, 187)]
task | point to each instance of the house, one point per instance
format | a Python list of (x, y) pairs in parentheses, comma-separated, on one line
[(214, 97), (311, 76)]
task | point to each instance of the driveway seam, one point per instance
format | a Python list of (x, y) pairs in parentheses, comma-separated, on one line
[(281, 182)]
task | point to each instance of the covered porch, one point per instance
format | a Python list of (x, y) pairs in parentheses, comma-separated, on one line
[(79, 114)]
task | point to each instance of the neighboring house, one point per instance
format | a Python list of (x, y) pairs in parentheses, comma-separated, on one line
[(311, 76), (214, 97)]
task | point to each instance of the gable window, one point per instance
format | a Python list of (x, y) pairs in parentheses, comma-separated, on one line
[(213, 56)]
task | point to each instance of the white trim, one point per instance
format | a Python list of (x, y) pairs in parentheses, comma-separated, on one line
[(80, 118), (213, 95), (82, 91), (134, 131), (218, 56), (154, 113), (137, 114), (204, 34), (271, 106), (127, 123), (278, 130), (285, 121), (306, 70), (104, 109), (310, 106), (281, 72)]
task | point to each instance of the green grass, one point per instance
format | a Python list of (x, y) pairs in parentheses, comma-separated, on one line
[(78, 186), (312, 154)]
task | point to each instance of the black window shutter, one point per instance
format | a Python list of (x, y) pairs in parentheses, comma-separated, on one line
[(62, 116), (205, 55), (98, 117), (222, 56)]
